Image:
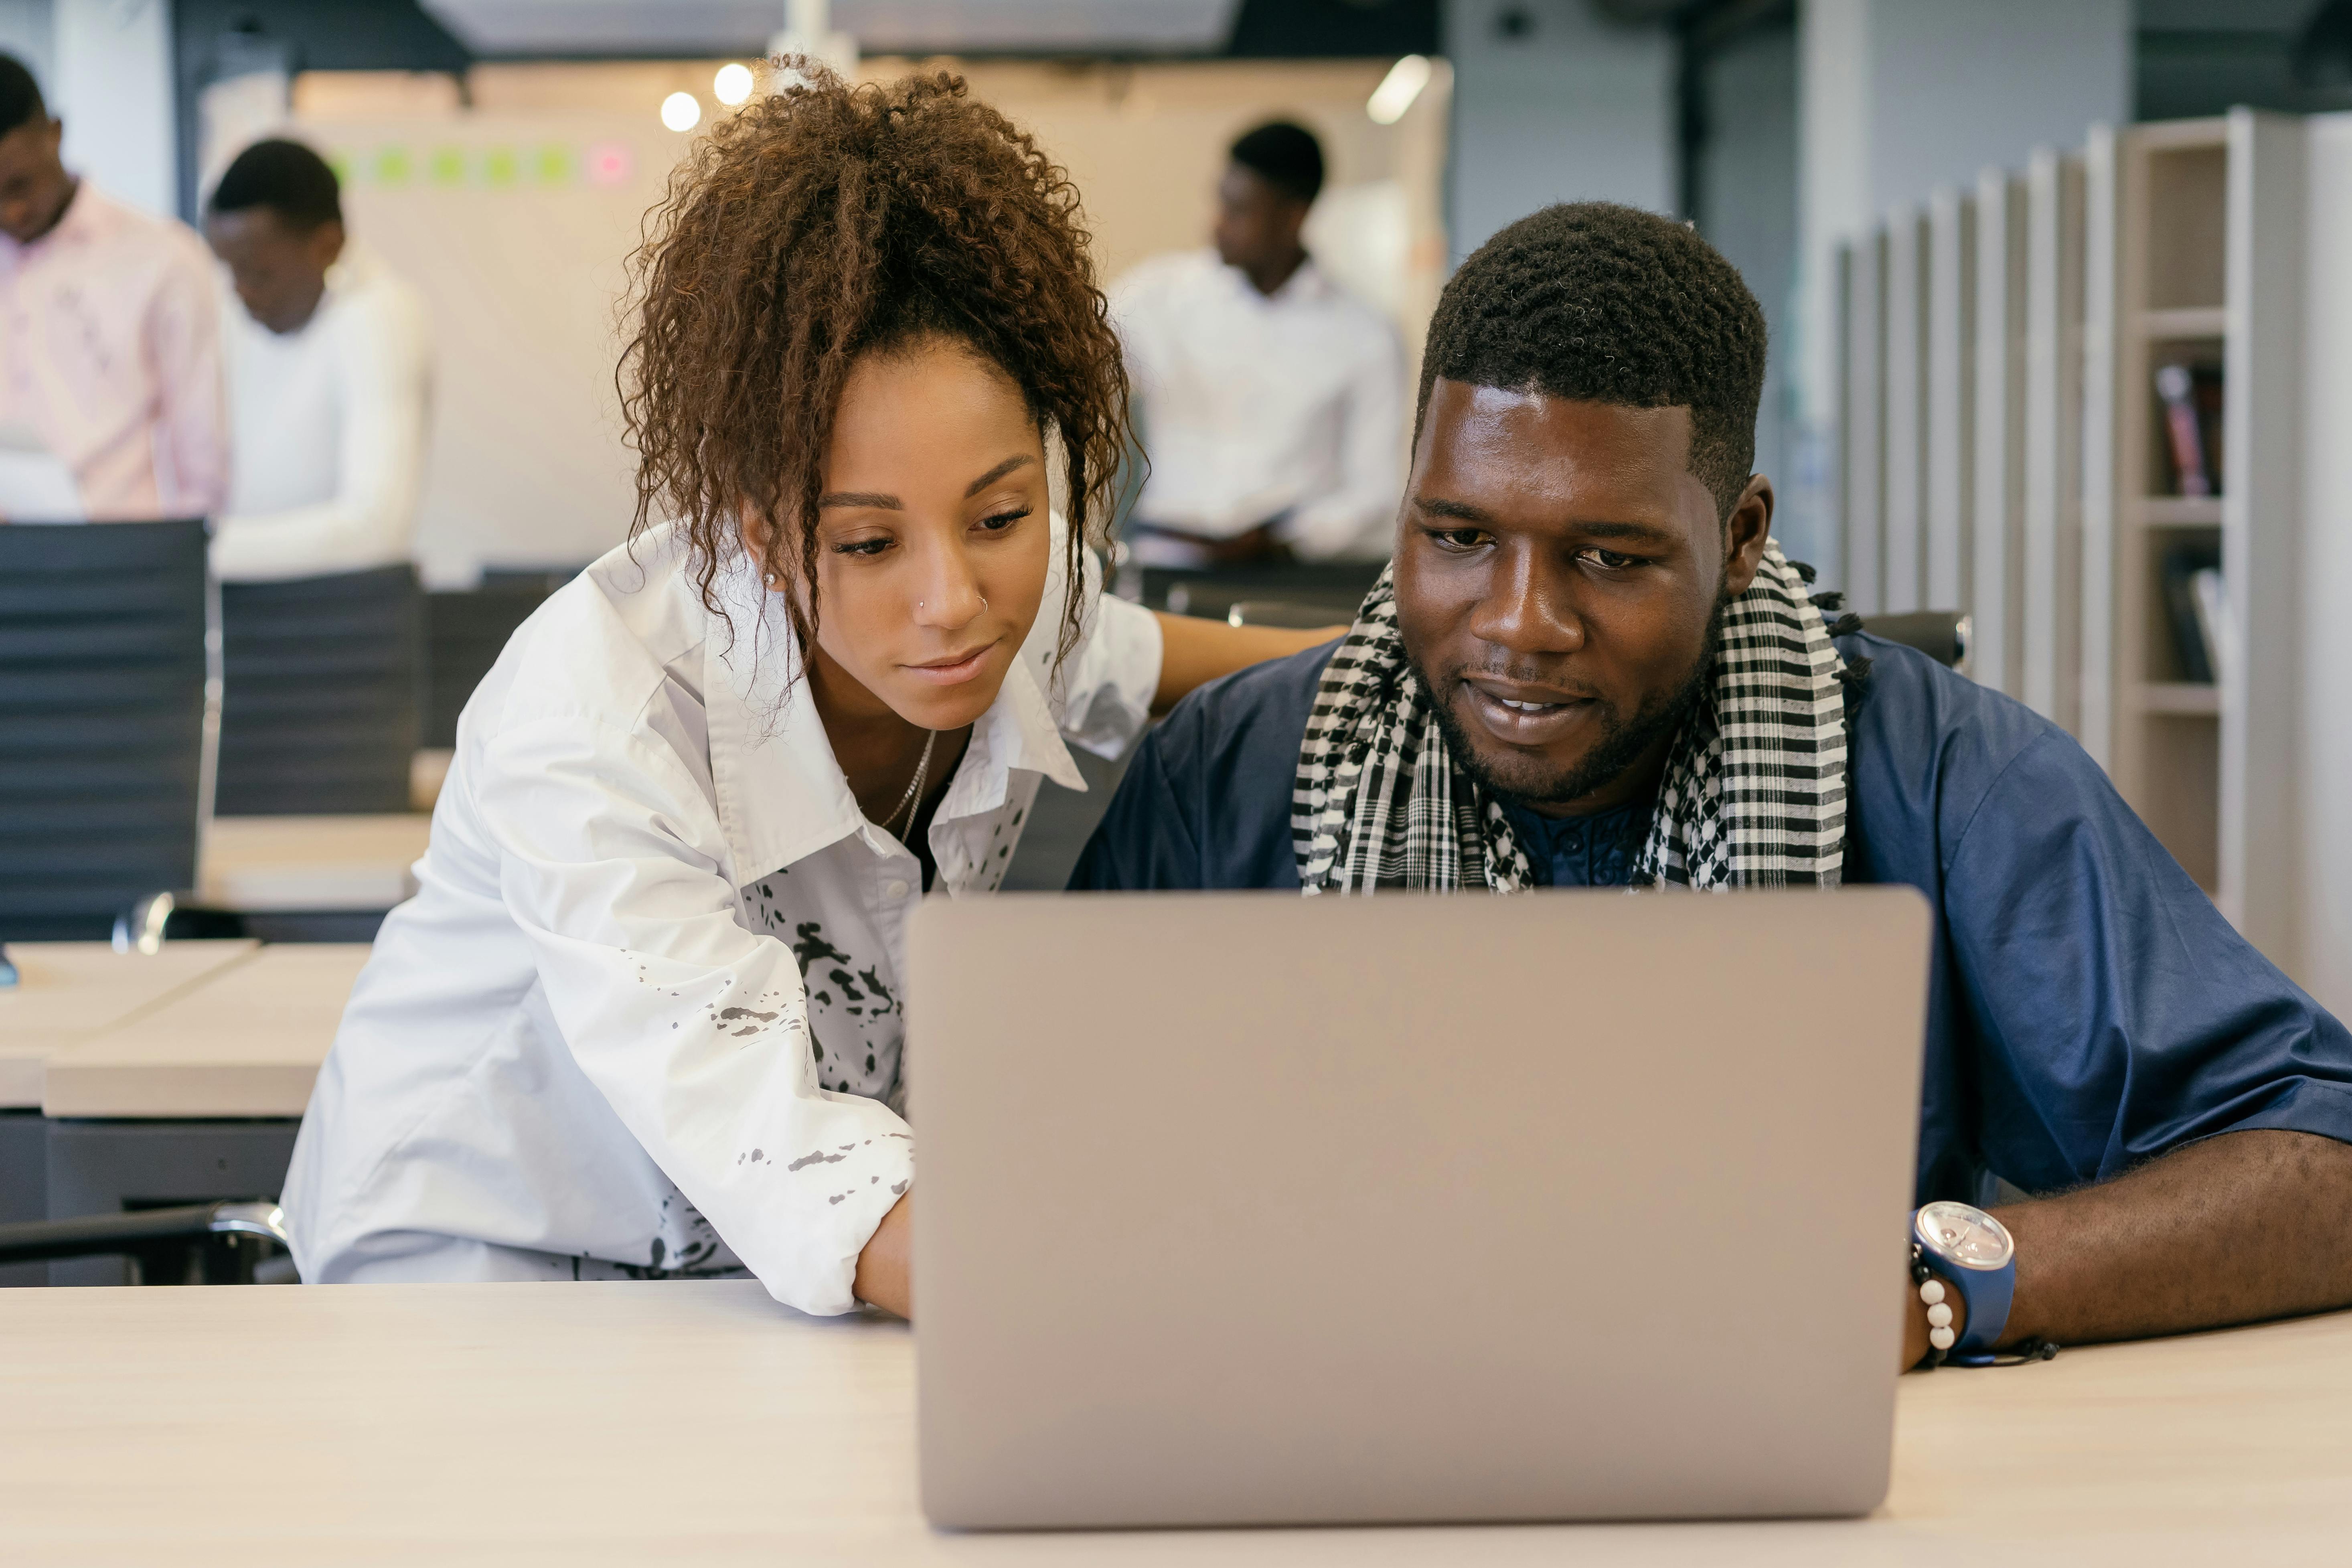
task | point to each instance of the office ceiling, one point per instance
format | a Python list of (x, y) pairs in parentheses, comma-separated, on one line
[(880, 26)]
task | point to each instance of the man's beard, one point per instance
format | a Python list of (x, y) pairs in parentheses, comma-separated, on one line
[(1622, 744)]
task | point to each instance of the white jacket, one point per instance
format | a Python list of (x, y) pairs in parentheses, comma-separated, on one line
[(588, 1034)]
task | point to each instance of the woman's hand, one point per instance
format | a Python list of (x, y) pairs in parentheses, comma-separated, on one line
[(886, 1269)]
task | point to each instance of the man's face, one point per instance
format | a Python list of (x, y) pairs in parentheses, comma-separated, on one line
[(34, 185), (1258, 226), (280, 270), (1559, 568)]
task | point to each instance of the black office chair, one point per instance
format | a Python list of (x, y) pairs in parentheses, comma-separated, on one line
[(1941, 635), (323, 708), (108, 716), (466, 631), (1330, 590), (192, 1244)]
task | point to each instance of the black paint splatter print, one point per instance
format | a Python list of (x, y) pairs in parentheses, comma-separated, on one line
[(856, 1030)]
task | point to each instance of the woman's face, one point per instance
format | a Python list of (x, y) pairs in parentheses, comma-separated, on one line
[(933, 535)]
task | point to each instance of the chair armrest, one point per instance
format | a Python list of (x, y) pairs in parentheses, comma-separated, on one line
[(97, 1235)]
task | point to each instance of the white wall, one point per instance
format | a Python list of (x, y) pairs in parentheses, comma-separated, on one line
[(2327, 546), (521, 270), (112, 84), (1576, 108), (25, 33), (1900, 97)]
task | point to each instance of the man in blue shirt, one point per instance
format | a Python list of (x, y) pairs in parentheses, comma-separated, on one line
[(1591, 667)]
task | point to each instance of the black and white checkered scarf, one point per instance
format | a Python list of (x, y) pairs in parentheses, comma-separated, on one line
[(1754, 791)]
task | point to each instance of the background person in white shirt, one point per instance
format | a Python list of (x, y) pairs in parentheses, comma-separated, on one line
[(643, 1015), (1272, 400), (329, 379)]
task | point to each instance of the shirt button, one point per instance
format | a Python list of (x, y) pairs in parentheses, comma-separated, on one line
[(894, 888)]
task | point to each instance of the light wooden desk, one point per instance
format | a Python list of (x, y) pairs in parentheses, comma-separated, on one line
[(701, 1423), (68, 992), (246, 1042), (260, 864)]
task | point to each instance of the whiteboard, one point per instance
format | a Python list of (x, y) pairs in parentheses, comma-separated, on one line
[(516, 229)]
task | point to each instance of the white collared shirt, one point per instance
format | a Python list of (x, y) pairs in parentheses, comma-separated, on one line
[(328, 427), (1258, 405), (590, 1034)]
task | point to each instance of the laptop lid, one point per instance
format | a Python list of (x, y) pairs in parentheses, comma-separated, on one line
[(1255, 1209)]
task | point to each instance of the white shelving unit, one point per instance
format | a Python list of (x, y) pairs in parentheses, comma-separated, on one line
[(2003, 456), (2204, 223)]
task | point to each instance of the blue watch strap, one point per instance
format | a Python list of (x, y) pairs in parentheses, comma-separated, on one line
[(1986, 1293)]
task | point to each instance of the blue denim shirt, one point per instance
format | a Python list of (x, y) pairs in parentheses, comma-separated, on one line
[(2088, 1007)]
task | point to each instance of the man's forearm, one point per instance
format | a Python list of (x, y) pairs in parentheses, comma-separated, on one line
[(2237, 1228)]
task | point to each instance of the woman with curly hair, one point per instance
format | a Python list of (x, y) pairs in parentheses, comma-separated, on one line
[(643, 1015)]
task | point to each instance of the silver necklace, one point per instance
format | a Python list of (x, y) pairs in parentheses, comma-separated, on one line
[(915, 785)]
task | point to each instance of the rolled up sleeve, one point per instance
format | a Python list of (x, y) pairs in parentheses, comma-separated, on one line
[(694, 1028)]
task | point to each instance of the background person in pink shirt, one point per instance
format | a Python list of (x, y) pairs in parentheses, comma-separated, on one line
[(110, 331)]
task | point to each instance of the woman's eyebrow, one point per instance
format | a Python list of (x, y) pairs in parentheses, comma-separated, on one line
[(876, 498), (995, 474)]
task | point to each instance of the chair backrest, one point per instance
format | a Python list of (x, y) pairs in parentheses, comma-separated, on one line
[(104, 740), (323, 706), (1941, 635), (464, 632)]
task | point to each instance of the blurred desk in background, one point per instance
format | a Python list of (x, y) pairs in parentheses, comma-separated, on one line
[(245, 1043), (176, 1079), (67, 992), (310, 879)]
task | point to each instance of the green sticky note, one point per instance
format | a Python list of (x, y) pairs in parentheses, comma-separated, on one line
[(498, 166), (553, 165), (447, 166), (393, 166)]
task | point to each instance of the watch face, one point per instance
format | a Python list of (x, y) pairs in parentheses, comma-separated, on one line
[(1965, 1235)]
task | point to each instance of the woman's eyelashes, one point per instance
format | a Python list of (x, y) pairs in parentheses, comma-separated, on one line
[(992, 524), (1000, 522)]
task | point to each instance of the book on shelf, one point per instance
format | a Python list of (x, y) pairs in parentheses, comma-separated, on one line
[(2192, 400), (2197, 605)]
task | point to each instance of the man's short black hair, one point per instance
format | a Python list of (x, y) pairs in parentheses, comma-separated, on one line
[(20, 97), (1603, 303), (286, 177), (1285, 156)]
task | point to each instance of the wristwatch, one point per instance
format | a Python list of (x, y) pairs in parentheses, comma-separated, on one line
[(1974, 1254)]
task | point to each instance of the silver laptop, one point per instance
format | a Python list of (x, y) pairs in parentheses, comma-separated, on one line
[(1255, 1209)]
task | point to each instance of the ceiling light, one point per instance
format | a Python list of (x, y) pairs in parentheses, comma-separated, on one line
[(681, 111), (1398, 89), (732, 85)]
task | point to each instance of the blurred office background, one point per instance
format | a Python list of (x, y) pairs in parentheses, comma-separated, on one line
[(501, 153)]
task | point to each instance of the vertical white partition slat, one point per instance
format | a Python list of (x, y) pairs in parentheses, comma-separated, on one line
[(2261, 482), (2053, 588), (2097, 695), (1865, 467), (1907, 377), (1998, 493), (1951, 400)]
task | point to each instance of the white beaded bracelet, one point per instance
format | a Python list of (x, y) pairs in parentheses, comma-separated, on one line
[(1939, 1314)]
